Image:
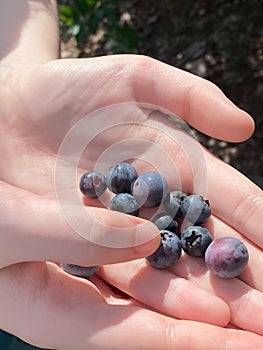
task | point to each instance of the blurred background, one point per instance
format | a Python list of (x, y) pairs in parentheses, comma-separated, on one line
[(219, 40)]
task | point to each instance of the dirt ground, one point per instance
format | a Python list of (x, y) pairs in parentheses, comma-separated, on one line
[(221, 41)]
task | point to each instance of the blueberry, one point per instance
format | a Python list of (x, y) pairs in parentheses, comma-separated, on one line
[(120, 177), (124, 203), (196, 209), (195, 240), (149, 189), (172, 203), (92, 184), (168, 252), (80, 271), (165, 222), (226, 257)]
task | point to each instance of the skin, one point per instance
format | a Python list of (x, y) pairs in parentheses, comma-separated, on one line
[(41, 99)]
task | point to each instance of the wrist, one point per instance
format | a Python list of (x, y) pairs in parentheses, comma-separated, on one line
[(29, 33)]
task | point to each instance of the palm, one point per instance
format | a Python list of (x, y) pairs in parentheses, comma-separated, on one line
[(43, 114)]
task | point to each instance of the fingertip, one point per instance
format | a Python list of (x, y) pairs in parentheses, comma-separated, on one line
[(118, 230), (145, 236), (239, 124), (147, 233), (247, 126), (222, 316), (236, 124), (209, 110)]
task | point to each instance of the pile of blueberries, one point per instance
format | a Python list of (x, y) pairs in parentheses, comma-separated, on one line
[(225, 257)]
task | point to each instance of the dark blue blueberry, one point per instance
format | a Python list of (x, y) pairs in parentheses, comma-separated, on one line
[(165, 222), (92, 184), (172, 203), (80, 271), (196, 209), (149, 189), (120, 177), (195, 240), (168, 252), (125, 203), (226, 257)]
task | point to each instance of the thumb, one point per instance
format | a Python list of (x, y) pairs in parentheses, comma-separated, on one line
[(43, 234)]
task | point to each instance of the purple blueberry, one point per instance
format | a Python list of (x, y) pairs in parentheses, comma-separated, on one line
[(149, 189), (172, 203), (125, 203), (226, 257), (80, 271), (92, 184), (165, 222), (195, 240), (120, 177), (168, 252), (196, 209)]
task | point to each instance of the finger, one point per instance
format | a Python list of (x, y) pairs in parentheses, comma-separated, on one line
[(246, 303), (75, 315), (44, 233), (140, 79), (199, 102), (235, 199), (167, 293)]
